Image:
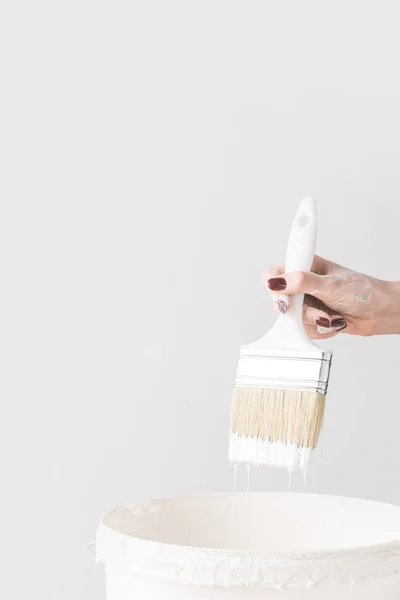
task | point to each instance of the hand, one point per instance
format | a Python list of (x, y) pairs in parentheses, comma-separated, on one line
[(338, 300)]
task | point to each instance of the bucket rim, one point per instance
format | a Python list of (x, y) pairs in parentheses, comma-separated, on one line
[(231, 568)]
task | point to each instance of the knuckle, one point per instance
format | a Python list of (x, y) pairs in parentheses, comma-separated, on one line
[(299, 280)]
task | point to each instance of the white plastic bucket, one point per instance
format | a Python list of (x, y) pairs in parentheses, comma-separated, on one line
[(251, 546)]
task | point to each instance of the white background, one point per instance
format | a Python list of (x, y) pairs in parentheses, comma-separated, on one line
[(152, 157)]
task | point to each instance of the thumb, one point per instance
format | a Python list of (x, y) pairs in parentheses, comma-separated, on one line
[(300, 282)]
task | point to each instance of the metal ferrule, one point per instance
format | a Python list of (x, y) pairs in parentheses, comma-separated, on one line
[(284, 369)]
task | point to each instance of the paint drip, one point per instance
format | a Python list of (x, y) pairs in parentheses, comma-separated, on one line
[(304, 477), (235, 470)]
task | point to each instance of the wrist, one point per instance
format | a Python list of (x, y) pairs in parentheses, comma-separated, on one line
[(389, 313)]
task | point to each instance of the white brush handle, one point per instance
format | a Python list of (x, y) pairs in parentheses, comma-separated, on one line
[(303, 234), (288, 333), (301, 249)]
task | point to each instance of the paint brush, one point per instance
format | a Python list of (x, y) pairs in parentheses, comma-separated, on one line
[(279, 397)]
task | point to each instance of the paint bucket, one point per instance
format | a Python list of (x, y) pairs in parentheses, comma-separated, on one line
[(250, 547)]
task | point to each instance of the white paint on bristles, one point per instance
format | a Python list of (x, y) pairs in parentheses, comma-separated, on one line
[(257, 451)]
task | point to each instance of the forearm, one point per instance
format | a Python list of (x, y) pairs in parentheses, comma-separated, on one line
[(388, 319)]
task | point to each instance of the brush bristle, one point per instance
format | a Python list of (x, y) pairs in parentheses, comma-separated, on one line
[(286, 417)]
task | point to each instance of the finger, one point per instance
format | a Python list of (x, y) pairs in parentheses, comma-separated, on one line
[(315, 303), (273, 271), (316, 317), (338, 322), (300, 282), (324, 319), (315, 334), (281, 301), (320, 265), (312, 314)]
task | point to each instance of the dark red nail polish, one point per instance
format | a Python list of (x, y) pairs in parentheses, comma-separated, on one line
[(323, 321), (338, 324), (277, 284), (282, 306)]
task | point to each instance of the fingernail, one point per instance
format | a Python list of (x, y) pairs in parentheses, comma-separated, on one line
[(281, 304), (323, 321), (277, 284), (322, 330), (338, 324)]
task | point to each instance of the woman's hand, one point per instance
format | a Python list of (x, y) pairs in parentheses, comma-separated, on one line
[(338, 300)]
